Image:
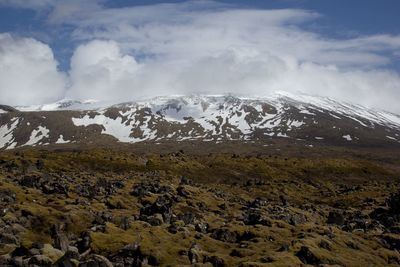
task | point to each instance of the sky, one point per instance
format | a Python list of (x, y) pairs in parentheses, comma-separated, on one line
[(119, 51)]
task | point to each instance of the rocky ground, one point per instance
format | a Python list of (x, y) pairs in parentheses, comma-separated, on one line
[(108, 207)]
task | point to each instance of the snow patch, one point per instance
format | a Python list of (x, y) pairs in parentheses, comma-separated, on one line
[(282, 135), (37, 135), (116, 127), (6, 134), (61, 140), (305, 111), (347, 137)]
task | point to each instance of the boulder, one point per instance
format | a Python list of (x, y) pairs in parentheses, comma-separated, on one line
[(20, 252), (393, 202), (187, 217), (40, 260), (95, 260), (307, 256), (31, 181), (129, 255), (51, 252), (335, 217), (84, 242), (155, 220), (163, 206), (60, 240), (297, 219), (7, 196), (214, 260), (194, 254), (8, 238), (64, 261), (185, 181), (224, 235), (181, 191), (201, 227)]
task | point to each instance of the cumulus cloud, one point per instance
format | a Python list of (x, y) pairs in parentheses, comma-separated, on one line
[(28, 72), (99, 70), (208, 47)]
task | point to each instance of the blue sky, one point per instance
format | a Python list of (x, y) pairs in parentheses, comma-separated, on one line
[(123, 50)]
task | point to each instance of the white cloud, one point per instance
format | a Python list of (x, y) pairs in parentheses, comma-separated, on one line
[(209, 47), (99, 70), (200, 28), (28, 72)]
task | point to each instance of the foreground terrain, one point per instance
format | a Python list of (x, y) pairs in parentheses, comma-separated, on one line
[(138, 205)]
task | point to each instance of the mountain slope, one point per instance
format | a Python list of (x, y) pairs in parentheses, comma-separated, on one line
[(303, 119)]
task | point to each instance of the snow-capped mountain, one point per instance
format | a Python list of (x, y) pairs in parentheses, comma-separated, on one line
[(65, 104), (301, 118)]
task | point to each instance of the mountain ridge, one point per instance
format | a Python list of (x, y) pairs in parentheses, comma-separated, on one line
[(215, 118)]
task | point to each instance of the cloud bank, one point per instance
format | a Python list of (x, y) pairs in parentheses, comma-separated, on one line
[(199, 47)]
